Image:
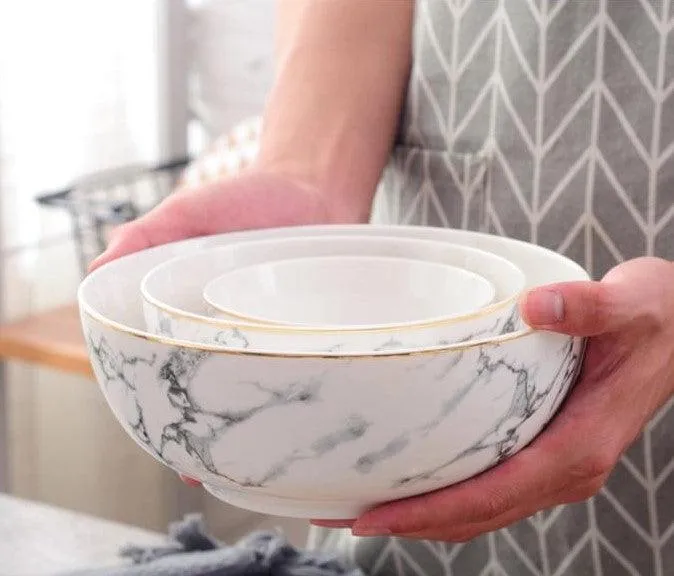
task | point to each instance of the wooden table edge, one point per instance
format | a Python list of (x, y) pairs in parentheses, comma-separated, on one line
[(52, 338)]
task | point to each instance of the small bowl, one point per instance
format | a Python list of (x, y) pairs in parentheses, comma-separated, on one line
[(174, 304), (325, 435), (348, 292)]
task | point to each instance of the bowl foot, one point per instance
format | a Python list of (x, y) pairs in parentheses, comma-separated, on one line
[(290, 507)]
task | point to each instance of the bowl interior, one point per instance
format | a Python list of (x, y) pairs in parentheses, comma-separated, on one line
[(348, 291), (176, 285), (110, 295)]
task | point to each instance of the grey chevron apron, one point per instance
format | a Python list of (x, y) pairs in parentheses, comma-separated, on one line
[(550, 121)]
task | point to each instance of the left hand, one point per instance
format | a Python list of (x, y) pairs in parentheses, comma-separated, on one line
[(627, 375)]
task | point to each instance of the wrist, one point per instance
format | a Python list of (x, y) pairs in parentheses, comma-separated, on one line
[(338, 200)]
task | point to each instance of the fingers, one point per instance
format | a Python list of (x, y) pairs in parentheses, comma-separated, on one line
[(334, 523), (466, 532), (253, 200), (569, 462), (637, 293), (526, 479), (189, 481), (126, 240), (168, 222), (577, 308), (469, 531)]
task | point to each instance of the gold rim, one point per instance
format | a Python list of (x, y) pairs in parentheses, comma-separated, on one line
[(281, 328), (245, 319), (340, 230), (494, 341)]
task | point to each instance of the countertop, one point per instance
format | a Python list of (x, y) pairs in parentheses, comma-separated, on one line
[(38, 540)]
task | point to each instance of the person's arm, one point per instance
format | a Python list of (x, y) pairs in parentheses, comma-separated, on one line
[(331, 117), (328, 127)]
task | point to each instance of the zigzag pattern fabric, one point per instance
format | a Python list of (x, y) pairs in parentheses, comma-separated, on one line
[(551, 121)]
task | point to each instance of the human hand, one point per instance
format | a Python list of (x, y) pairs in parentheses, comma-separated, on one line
[(627, 375), (252, 199)]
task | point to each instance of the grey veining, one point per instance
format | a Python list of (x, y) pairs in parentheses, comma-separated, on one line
[(367, 462), (178, 371), (503, 437), (215, 416), (233, 337), (353, 429)]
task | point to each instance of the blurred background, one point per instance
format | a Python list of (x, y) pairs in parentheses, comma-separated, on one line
[(101, 105)]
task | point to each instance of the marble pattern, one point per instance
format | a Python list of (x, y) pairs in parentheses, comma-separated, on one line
[(503, 437), (361, 429), (494, 323)]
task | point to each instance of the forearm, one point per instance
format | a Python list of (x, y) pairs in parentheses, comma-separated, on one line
[(342, 68)]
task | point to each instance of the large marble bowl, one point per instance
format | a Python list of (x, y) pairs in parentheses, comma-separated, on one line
[(174, 306), (325, 435)]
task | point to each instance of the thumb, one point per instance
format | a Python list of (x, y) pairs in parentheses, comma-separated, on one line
[(635, 294)]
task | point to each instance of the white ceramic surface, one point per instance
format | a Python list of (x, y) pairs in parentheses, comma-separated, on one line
[(324, 436), (173, 305), (348, 292)]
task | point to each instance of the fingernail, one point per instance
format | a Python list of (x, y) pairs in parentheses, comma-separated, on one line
[(189, 481), (333, 523), (371, 531), (544, 307)]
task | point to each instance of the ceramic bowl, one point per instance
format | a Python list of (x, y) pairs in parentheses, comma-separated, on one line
[(349, 292), (325, 436), (174, 306)]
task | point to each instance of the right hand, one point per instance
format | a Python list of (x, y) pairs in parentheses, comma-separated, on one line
[(252, 199)]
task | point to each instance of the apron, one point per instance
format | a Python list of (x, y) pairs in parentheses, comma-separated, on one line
[(549, 121)]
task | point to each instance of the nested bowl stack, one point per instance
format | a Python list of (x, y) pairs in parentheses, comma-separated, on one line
[(314, 418)]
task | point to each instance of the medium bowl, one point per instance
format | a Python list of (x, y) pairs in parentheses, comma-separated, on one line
[(174, 307), (325, 435)]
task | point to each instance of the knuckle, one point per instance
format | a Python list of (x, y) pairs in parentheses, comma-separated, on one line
[(594, 305), (591, 455), (593, 467), (491, 505), (586, 491)]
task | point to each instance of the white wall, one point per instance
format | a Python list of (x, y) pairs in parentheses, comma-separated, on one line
[(232, 48), (82, 92)]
